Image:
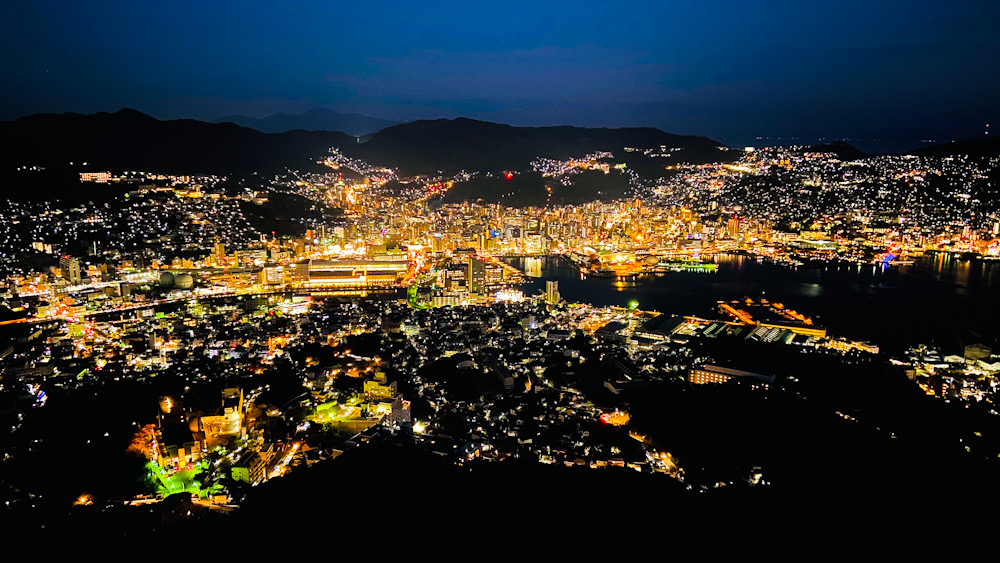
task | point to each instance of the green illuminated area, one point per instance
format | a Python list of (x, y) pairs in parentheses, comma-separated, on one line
[(411, 292), (183, 481), (414, 301), (335, 412), (689, 266)]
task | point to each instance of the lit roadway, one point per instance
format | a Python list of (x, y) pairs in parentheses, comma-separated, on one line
[(188, 297)]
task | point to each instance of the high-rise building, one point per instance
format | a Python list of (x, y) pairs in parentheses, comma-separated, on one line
[(477, 275), (551, 292), (219, 250), (70, 268), (733, 227)]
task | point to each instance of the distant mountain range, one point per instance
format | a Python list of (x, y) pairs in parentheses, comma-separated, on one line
[(316, 119), (455, 144), (981, 147), (843, 150), (130, 140)]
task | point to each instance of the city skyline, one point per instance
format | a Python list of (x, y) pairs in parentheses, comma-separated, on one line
[(762, 265)]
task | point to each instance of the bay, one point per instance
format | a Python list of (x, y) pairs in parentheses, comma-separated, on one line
[(940, 299)]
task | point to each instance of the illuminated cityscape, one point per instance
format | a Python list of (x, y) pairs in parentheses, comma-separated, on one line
[(203, 325)]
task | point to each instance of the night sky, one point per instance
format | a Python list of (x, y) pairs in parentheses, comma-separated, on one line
[(730, 70)]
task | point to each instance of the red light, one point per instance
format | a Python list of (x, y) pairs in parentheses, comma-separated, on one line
[(509, 175)]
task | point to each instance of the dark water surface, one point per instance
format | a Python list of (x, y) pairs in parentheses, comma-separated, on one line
[(940, 299)]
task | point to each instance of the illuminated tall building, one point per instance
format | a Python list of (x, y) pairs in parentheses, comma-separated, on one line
[(733, 227), (551, 292), (219, 249), (70, 268), (477, 275)]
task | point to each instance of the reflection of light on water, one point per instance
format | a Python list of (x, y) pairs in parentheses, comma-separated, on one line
[(533, 267), (962, 273), (811, 289)]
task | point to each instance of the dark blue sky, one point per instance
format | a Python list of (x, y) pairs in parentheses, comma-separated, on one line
[(724, 69)]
